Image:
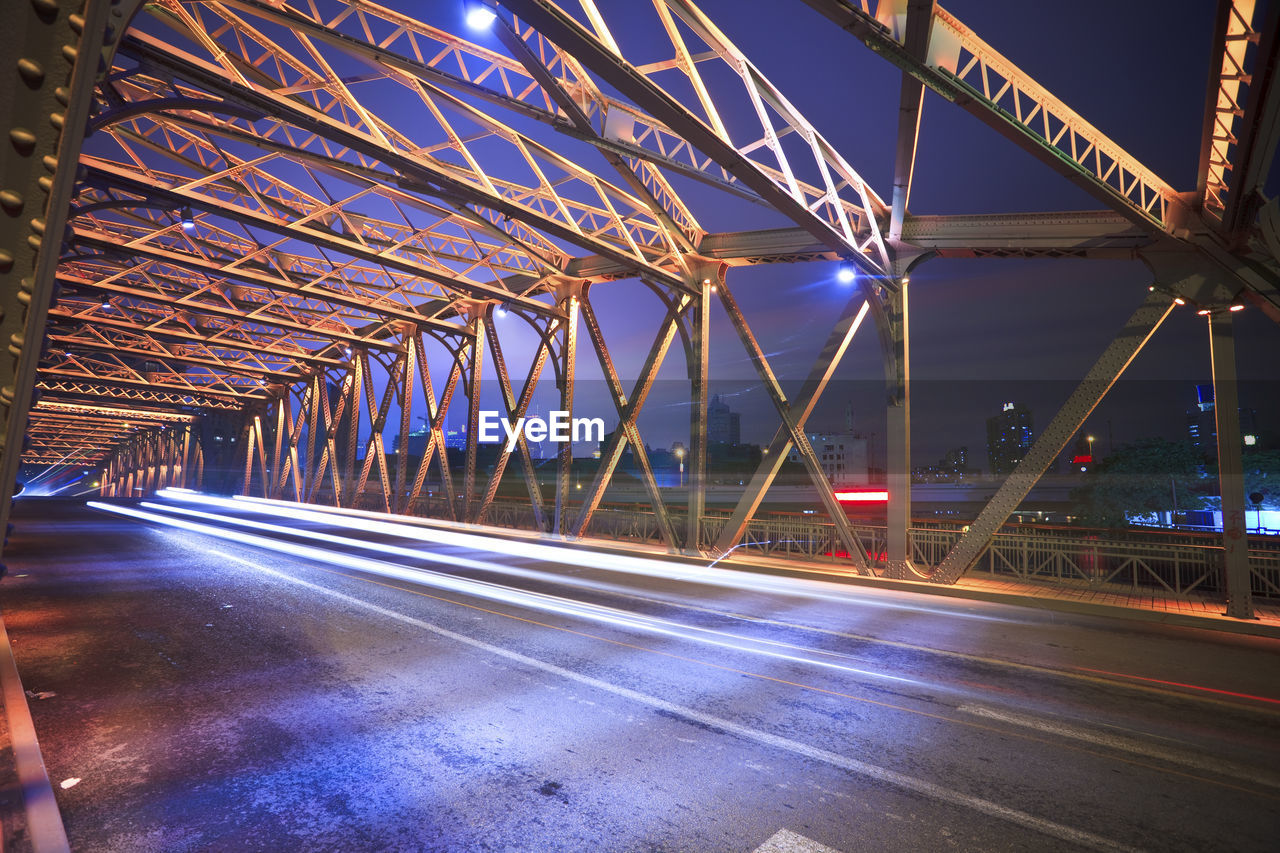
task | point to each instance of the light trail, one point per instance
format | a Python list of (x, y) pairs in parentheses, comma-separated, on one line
[(484, 589), (438, 532), (655, 567), (415, 577)]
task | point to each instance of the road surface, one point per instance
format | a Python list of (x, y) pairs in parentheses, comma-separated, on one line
[(323, 683)]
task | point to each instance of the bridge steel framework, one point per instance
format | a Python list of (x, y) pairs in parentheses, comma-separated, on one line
[(237, 233)]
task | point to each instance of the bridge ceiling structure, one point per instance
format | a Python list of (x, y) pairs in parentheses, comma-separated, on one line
[(274, 213)]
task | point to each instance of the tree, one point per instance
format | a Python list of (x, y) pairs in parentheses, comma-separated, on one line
[(1141, 478), (1262, 476)]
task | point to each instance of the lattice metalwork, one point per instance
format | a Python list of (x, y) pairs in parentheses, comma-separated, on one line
[(288, 213)]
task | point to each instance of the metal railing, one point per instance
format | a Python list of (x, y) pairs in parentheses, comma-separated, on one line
[(1177, 562)]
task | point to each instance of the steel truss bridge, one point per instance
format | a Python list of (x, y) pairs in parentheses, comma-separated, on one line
[(219, 233)]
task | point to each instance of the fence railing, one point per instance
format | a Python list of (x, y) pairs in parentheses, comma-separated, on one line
[(1177, 562)]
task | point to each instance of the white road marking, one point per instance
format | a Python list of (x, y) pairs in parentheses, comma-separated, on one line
[(786, 841), (852, 765), (1214, 766)]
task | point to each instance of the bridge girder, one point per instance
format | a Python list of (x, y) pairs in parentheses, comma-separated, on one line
[(255, 234)]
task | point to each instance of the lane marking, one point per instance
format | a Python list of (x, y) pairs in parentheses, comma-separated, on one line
[(1136, 747), (852, 765), (786, 841)]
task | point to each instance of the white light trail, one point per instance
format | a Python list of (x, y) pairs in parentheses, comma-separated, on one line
[(483, 589), (483, 539)]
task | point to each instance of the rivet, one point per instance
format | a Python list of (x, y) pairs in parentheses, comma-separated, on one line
[(34, 242), (11, 202), (45, 182), (57, 120), (63, 94), (6, 395), (47, 9), (37, 225), (77, 23), (24, 141), (70, 53), (6, 261), (24, 297), (31, 72), (50, 163)]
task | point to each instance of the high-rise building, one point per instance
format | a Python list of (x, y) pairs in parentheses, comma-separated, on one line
[(1202, 423), (723, 426), (1008, 437)]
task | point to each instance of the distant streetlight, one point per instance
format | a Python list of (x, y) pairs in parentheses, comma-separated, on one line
[(1089, 439), (680, 456)]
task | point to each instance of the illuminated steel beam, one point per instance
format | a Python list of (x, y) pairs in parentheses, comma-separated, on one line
[(969, 72), (545, 209), (1242, 112), (794, 414), (760, 163), (1105, 372)]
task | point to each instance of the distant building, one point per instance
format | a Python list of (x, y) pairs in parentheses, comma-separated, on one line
[(1008, 437), (953, 467), (843, 458), (1202, 423), (723, 425), (415, 444)]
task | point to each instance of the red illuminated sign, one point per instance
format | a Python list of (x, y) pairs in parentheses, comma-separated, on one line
[(863, 496)]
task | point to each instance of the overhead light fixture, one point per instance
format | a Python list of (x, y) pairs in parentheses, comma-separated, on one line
[(479, 17), (188, 219), (846, 274), (1203, 312), (1178, 300), (1237, 307)]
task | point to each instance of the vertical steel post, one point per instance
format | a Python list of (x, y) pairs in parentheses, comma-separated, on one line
[(699, 366), (1226, 409), (476, 348), (569, 296), (410, 339), (276, 487), (898, 439)]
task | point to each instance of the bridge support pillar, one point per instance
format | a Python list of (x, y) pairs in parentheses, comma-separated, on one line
[(569, 297), (898, 439), (1226, 408), (699, 369)]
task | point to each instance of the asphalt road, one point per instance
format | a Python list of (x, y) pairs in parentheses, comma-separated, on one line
[(275, 691)]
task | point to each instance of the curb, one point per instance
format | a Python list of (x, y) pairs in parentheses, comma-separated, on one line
[(44, 821)]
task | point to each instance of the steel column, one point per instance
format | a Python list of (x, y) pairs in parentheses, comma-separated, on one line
[(699, 313), (568, 297), (1226, 410), (475, 346), (898, 437)]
